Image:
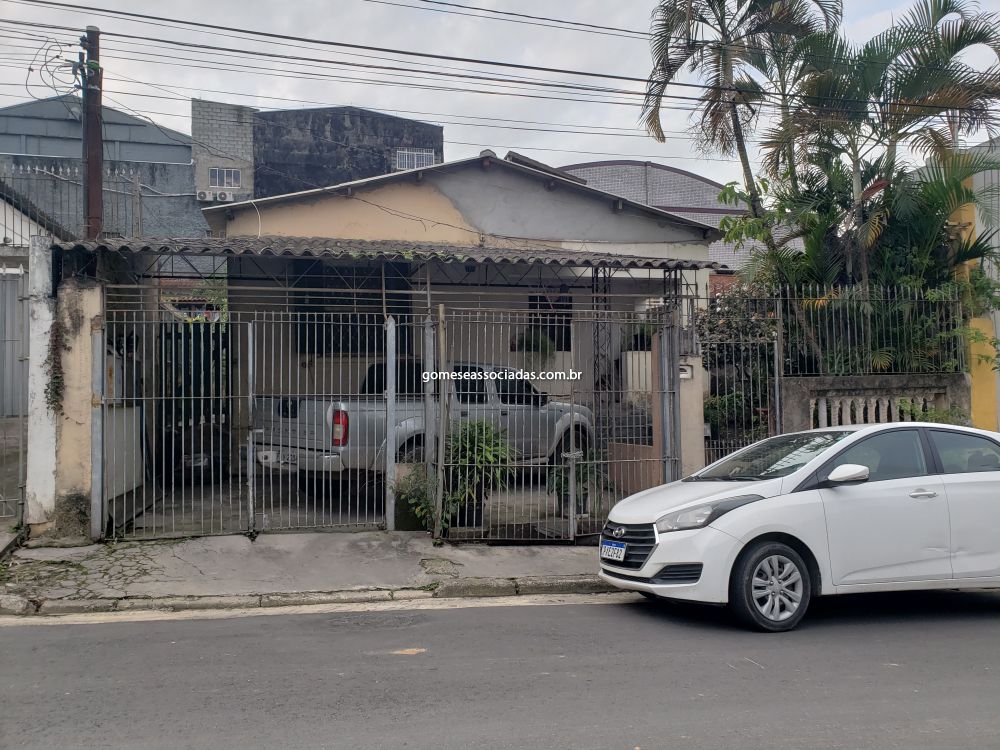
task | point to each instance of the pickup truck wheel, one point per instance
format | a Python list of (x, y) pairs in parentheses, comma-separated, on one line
[(411, 453)]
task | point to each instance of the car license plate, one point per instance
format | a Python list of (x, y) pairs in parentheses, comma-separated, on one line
[(613, 551)]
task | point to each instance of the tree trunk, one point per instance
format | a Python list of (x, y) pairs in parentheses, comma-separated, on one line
[(859, 220), (756, 207)]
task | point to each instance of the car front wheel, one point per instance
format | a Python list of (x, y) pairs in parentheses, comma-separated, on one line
[(771, 587)]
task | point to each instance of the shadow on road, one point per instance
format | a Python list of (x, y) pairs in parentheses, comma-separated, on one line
[(912, 607)]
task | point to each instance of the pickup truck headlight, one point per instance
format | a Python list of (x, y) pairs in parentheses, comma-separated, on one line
[(702, 515)]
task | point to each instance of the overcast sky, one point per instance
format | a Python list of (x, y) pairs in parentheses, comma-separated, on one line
[(385, 25)]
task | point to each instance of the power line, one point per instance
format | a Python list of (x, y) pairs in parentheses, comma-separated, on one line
[(520, 18), (158, 20), (328, 43)]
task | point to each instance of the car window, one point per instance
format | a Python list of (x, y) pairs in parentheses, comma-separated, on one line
[(515, 391), (775, 457), (470, 387), (891, 455), (962, 454)]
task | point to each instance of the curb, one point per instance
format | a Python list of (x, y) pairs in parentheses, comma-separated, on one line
[(14, 604)]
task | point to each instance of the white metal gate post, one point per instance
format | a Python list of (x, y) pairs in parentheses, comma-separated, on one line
[(430, 417), (444, 395), (98, 509), (251, 462), (669, 363), (390, 423)]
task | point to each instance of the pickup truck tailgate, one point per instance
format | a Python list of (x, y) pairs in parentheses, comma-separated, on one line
[(295, 422)]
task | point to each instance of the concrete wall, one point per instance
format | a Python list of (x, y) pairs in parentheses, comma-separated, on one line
[(946, 391), (59, 460), (341, 217), (305, 148)]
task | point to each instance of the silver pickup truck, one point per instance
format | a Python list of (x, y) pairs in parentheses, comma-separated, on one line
[(332, 434)]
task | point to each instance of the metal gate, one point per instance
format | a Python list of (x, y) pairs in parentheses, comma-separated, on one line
[(553, 415), (282, 409), (13, 393), (219, 416)]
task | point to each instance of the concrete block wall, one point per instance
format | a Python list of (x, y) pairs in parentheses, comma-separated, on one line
[(223, 136)]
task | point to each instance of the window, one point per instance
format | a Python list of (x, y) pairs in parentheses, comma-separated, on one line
[(892, 455), (518, 392), (467, 390), (414, 158), (775, 457), (964, 454), (553, 316), (219, 177)]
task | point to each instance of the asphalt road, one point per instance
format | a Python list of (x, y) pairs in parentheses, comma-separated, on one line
[(883, 672)]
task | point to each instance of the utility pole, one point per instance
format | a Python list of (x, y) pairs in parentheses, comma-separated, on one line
[(92, 78)]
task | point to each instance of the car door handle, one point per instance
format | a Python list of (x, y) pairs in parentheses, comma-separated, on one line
[(923, 494)]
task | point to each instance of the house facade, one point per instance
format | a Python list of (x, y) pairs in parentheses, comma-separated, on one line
[(222, 354)]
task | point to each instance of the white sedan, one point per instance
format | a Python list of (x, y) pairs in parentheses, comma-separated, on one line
[(842, 510)]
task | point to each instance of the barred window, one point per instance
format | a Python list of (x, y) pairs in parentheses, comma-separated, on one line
[(414, 158)]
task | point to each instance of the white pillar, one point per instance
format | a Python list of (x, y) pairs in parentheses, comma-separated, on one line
[(40, 478)]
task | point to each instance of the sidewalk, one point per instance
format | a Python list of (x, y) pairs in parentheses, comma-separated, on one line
[(283, 569)]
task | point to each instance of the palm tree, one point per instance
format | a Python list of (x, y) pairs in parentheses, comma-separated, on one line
[(907, 86), (726, 42)]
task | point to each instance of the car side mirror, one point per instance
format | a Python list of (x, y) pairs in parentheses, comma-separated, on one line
[(848, 474)]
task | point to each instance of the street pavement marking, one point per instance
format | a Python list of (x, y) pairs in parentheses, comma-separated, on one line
[(102, 618), (409, 651)]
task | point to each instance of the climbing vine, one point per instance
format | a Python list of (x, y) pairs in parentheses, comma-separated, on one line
[(55, 384)]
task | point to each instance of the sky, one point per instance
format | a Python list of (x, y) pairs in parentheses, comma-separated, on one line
[(158, 87)]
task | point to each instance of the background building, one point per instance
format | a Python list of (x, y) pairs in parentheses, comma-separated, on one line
[(241, 152), (670, 189)]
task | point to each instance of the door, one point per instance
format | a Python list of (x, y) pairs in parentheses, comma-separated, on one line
[(895, 526), (525, 416), (971, 471)]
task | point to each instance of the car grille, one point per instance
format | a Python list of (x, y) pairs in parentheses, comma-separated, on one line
[(674, 573), (639, 539)]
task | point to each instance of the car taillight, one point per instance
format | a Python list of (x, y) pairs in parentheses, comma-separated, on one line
[(340, 422)]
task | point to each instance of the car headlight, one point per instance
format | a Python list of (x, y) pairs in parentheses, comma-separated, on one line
[(702, 515)]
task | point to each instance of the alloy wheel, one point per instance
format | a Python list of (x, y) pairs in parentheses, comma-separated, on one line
[(777, 588)]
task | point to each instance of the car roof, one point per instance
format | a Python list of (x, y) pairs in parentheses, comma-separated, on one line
[(899, 425)]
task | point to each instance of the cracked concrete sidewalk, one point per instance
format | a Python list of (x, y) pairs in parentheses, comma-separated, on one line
[(282, 569)]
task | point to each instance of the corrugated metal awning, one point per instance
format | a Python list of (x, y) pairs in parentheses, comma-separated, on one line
[(394, 250)]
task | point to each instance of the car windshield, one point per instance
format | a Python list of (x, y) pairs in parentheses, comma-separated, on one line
[(775, 457)]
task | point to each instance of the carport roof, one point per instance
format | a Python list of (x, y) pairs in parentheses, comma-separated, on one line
[(394, 250)]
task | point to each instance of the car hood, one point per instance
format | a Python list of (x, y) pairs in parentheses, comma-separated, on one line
[(649, 505)]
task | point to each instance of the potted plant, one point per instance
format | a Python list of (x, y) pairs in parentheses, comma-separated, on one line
[(414, 491), (479, 461)]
